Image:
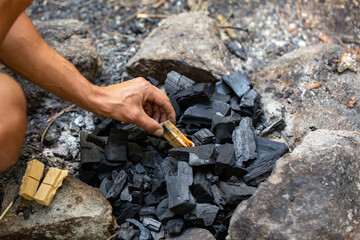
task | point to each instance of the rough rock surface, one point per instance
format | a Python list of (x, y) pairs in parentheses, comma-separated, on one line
[(78, 211), (313, 193), (188, 43), (324, 107), (195, 234)]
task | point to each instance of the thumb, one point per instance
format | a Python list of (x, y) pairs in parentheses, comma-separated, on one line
[(149, 124)]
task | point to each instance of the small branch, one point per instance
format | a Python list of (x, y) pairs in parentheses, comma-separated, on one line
[(159, 3), (235, 28), (8, 207)]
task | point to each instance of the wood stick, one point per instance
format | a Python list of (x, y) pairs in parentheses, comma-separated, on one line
[(8, 207)]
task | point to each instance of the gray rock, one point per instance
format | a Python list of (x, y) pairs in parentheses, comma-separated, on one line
[(78, 211), (188, 43), (313, 193), (324, 107), (195, 234)]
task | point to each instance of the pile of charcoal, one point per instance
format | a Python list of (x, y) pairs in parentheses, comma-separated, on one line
[(157, 190)]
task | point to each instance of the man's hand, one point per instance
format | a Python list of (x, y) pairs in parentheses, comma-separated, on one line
[(135, 101)]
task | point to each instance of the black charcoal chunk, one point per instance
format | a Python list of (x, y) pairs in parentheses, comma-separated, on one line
[(140, 169), (235, 103), (237, 82), (125, 195), (137, 197), (268, 153), (250, 103), (124, 210), (225, 158), (144, 232), (135, 152), (126, 232), (104, 127), (203, 136), (162, 210), (146, 211), (219, 198), (153, 81), (180, 198), (222, 88), (116, 147), (151, 224), (256, 117), (204, 112), (175, 106), (201, 188), (234, 193), (136, 183), (275, 126), (196, 156), (176, 82), (202, 213), (235, 47), (158, 235), (222, 127), (220, 97), (105, 186), (118, 185), (174, 226), (98, 141), (244, 142), (89, 152), (192, 128), (196, 93), (151, 200), (135, 132)]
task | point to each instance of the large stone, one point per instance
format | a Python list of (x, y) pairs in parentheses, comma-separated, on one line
[(324, 107), (78, 211), (313, 193), (188, 43), (195, 234)]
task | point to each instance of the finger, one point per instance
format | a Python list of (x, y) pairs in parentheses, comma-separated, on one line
[(159, 98), (148, 109), (163, 115), (149, 124), (156, 113)]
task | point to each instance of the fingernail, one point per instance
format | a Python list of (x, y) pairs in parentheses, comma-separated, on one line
[(159, 132)]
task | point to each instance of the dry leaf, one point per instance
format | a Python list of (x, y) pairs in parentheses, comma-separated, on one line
[(325, 38), (351, 102), (314, 85)]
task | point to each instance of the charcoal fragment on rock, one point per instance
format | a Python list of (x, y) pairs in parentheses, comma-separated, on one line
[(162, 210), (196, 156), (174, 226), (203, 136), (204, 112), (201, 189), (151, 224), (234, 193), (220, 97), (116, 147), (125, 210), (197, 93), (180, 198), (202, 213), (222, 88), (237, 82), (268, 153), (250, 103), (275, 126), (175, 82), (235, 47), (118, 185), (144, 232), (225, 158), (244, 142), (222, 127)]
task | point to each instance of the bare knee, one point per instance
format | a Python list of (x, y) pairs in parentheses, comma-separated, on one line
[(12, 121)]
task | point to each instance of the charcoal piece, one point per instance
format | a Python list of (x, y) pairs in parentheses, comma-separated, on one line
[(204, 136), (244, 142), (175, 106), (144, 232), (168, 166), (150, 200), (91, 155), (257, 116), (196, 156), (137, 197), (222, 88), (153, 81), (118, 185), (103, 175), (137, 182), (220, 97), (236, 117), (104, 127), (235, 47), (268, 153), (275, 126), (135, 152), (151, 224), (140, 169), (124, 210), (116, 147), (105, 186), (192, 128), (135, 133), (152, 157), (219, 198), (158, 235), (146, 211), (235, 171), (174, 226), (196, 93), (203, 113), (162, 210), (202, 213), (180, 198), (158, 187), (201, 188), (234, 193), (175, 82), (126, 232), (222, 127), (211, 178), (237, 82), (225, 158), (125, 195), (235, 103), (250, 103), (98, 141)]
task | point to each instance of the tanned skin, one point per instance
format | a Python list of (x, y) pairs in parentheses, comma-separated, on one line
[(23, 51)]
